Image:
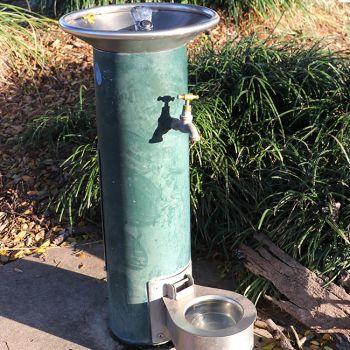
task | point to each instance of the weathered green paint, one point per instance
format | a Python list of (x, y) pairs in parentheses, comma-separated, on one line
[(145, 179)]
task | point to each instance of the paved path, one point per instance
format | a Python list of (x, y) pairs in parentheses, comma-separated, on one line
[(60, 302), (56, 304)]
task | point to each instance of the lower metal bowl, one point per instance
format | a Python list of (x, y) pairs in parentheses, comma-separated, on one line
[(211, 318), (213, 313)]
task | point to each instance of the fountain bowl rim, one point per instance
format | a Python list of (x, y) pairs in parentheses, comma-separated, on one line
[(91, 34)]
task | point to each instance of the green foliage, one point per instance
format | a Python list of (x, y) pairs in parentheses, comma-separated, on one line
[(236, 7), (71, 131), (274, 155), (62, 127), (19, 38), (81, 195)]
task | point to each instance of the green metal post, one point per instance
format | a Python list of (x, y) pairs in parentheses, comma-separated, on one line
[(145, 179)]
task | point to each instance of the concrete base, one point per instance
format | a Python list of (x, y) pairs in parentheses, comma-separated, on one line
[(60, 302)]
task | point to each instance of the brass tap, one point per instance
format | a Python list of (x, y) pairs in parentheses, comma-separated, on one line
[(188, 98), (184, 123)]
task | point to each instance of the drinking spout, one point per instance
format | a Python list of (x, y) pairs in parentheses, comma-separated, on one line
[(142, 17)]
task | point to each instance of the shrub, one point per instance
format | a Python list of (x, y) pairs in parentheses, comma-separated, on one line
[(236, 7), (274, 156), (274, 153), (71, 133), (19, 39)]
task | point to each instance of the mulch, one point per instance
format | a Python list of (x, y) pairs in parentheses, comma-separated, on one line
[(30, 176)]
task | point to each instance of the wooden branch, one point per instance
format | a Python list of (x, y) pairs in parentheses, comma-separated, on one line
[(278, 335), (324, 309)]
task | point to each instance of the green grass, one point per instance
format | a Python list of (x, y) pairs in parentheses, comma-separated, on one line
[(70, 135), (81, 196), (67, 126), (20, 37), (237, 7), (274, 155)]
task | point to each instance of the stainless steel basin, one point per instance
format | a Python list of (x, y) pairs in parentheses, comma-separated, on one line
[(214, 313), (112, 28)]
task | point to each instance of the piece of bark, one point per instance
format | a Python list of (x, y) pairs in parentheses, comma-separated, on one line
[(324, 309), (62, 236), (278, 335), (260, 324), (263, 333)]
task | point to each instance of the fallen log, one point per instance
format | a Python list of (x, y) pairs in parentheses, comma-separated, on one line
[(323, 309)]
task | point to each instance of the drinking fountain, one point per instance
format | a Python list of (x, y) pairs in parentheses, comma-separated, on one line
[(140, 68)]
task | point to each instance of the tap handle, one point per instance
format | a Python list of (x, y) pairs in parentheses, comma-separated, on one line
[(188, 98)]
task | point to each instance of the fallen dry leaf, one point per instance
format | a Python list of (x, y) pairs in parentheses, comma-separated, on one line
[(45, 244), (40, 250)]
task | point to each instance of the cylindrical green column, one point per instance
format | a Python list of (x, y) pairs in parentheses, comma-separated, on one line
[(145, 179)]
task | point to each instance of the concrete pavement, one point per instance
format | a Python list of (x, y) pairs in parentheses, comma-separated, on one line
[(58, 301)]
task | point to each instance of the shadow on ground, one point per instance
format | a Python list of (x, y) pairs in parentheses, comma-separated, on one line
[(60, 303), (59, 300)]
